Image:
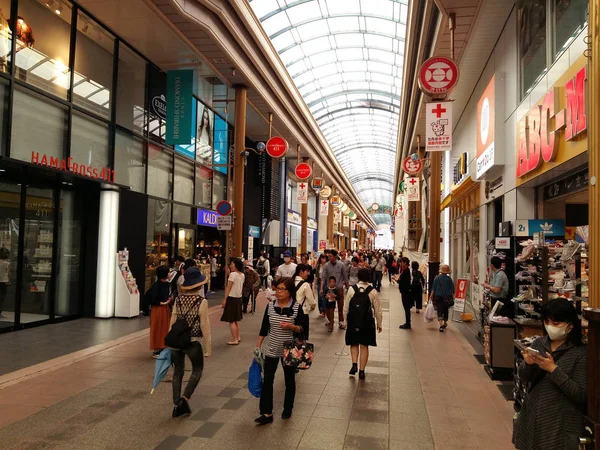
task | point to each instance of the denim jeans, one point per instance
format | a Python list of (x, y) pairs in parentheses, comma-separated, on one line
[(196, 355), (378, 276)]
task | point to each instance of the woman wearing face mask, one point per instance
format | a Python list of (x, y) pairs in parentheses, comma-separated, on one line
[(556, 372)]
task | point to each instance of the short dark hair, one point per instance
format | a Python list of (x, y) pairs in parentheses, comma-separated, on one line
[(332, 278), (562, 310), (355, 259), (162, 272), (301, 268), (364, 275), (496, 262), (333, 252), (239, 265), (405, 260), (415, 265), (180, 258), (288, 282), (189, 263), (323, 255)]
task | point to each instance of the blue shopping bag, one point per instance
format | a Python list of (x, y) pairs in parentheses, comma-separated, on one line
[(255, 379)]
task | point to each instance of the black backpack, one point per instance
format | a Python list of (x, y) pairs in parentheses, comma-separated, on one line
[(360, 312), (260, 267), (180, 335)]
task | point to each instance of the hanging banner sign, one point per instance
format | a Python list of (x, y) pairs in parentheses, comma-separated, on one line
[(317, 184), (180, 109), (413, 191), (438, 123), (412, 166), (336, 200), (438, 75), (325, 192), (346, 221), (324, 208), (276, 147), (322, 245), (303, 171), (460, 295), (337, 216), (302, 192), (353, 225)]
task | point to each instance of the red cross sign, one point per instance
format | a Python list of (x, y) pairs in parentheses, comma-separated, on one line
[(438, 110), (412, 181)]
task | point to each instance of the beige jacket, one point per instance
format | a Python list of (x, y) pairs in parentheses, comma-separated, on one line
[(375, 303)]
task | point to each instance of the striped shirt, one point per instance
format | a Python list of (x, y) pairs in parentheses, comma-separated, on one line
[(271, 326)]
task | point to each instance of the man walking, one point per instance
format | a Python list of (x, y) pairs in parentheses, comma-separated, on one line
[(377, 266), (404, 282), (288, 268), (337, 270)]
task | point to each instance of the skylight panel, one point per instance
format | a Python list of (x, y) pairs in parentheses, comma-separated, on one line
[(375, 25), (343, 24), (323, 71), (297, 68), (283, 40), (294, 54), (383, 8), (263, 7), (377, 41), (321, 59), (343, 7), (303, 12), (349, 40), (317, 45), (312, 30), (276, 23), (354, 66)]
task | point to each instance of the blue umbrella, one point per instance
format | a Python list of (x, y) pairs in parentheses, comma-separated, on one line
[(163, 362)]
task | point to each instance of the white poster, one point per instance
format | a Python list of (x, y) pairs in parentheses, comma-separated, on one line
[(346, 221), (250, 247), (337, 216), (413, 191), (353, 225), (324, 208), (438, 121), (302, 192)]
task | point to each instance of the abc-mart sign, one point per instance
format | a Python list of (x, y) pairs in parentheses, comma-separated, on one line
[(538, 133)]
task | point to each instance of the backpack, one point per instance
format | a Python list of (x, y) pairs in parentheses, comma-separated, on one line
[(360, 311), (260, 267), (180, 335)]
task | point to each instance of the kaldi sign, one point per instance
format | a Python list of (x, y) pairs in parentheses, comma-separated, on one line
[(538, 131)]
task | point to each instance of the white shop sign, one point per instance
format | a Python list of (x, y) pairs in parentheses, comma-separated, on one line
[(503, 243), (224, 222)]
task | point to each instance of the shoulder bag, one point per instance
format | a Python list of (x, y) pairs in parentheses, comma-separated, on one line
[(298, 353), (448, 298)]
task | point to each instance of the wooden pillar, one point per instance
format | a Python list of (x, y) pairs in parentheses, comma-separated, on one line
[(592, 313), (238, 169), (330, 220), (433, 243), (304, 219)]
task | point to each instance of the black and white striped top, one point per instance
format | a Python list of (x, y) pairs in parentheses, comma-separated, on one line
[(271, 326)]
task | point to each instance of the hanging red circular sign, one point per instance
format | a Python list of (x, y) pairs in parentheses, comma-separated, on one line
[(412, 167), (438, 75), (276, 147), (303, 171)]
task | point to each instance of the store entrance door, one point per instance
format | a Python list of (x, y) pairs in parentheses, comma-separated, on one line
[(185, 240)]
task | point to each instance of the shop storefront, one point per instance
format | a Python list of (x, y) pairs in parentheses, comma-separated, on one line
[(84, 164)]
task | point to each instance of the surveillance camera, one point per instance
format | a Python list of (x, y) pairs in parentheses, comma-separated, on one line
[(261, 146), (246, 153)]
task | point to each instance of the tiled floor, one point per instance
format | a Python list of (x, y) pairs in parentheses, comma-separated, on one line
[(424, 390)]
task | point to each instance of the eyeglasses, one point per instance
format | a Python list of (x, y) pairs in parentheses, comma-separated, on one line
[(281, 289)]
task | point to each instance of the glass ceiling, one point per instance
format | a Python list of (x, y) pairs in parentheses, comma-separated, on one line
[(346, 59)]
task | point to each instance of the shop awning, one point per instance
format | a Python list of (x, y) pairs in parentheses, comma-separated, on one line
[(446, 202)]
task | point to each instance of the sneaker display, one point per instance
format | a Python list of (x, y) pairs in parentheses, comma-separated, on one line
[(569, 251), (568, 287), (525, 295), (527, 243), (525, 254), (500, 255), (559, 283)]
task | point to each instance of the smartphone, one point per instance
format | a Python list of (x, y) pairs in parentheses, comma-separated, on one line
[(542, 353)]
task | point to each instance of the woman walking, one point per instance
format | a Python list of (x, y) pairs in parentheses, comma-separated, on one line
[(353, 272), (159, 297), (283, 319), (321, 283), (417, 286), (192, 306), (232, 305), (362, 310), (441, 291), (552, 417), (250, 288)]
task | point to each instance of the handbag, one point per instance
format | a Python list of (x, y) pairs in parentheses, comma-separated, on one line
[(448, 299), (179, 336), (298, 354)]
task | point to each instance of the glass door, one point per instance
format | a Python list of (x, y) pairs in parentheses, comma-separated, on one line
[(185, 240), (38, 231), (10, 208)]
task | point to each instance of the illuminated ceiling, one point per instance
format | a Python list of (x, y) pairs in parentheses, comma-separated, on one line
[(346, 59)]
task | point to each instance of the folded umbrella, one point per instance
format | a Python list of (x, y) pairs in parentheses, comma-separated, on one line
[(163, 362)]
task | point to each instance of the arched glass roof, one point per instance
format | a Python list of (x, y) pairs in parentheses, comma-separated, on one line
[(346, 59)]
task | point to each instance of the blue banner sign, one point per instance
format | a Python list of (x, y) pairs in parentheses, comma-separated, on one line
[(253, 231), (180, 109), (207, 218), (553, 227)]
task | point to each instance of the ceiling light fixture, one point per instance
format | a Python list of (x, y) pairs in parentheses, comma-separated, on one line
[(58, 10)]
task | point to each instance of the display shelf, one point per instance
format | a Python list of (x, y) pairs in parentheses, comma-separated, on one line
[(127, 296)]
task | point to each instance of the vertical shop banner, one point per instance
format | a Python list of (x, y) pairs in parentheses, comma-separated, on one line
[(461, 294), (353, 225), (302, 196), (250, 247), (346, 221), (413, 191), (324, 207), (180, 109), (337, 216), (486, 154), (438, 120), (322, 245)]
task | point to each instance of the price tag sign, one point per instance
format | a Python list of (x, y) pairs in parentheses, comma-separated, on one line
[(224, 222)]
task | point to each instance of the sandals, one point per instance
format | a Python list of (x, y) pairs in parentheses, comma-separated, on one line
[(233, 342)]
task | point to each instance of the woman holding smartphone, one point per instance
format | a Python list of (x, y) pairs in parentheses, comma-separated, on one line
[(555, 369)]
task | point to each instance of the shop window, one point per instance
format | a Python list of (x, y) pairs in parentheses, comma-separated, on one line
[(94, 56), (5, 36), (157, 238), (43, 42), (312, 207), (569, 16), (10, 196), (160, 172), (38, 127), (221, 141), (130, 161), (89, 143), (182, 214), (184, 181), (131, 87), (157, 104), (204, 182), (3, 114), (219, 188), (204, 134), (532, 42)]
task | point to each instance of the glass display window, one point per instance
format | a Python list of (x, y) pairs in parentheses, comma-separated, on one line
[(94, 56), (131, 88), (219, 188), (204, 185), (184, 181), (130, 161), (569, 17), (221, 141), (5, 36), (160, 172), (157, 238), (532, 42), (42, 48), (89, 142), (204, 134)]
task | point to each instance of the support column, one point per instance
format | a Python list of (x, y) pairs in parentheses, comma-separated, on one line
[(592, 313), (304, 220), (433, 244), (349, 246), (330, 221), (239, 169)]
